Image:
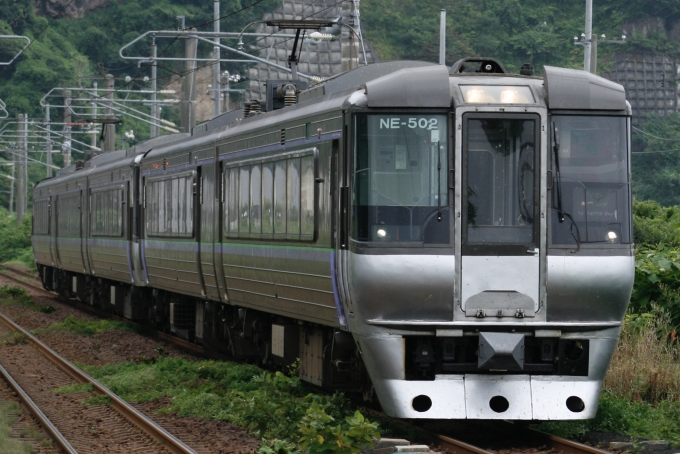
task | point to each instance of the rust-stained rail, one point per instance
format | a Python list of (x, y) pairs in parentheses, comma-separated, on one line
[(39, 415), (143, 423)]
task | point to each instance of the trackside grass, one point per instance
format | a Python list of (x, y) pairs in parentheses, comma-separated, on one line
[(277, 407), (9, 445)]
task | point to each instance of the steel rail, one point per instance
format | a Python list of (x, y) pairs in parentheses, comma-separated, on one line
[(139, 420), (39, 415), (568, 446)]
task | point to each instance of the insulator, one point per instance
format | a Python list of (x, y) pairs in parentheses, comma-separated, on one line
[(246, 109), (318, 36), (289, 97), (317, 79), (255, 108)]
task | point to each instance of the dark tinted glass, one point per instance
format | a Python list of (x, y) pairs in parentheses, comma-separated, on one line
[(593, 164)]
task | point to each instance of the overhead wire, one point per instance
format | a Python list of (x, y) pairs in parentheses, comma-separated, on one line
[(656, 137)]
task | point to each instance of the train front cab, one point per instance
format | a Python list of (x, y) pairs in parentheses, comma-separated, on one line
[(486, 252)]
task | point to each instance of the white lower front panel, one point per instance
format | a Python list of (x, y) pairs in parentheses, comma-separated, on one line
[(549, 397), (469, 396), (447, 396), (515, 389)]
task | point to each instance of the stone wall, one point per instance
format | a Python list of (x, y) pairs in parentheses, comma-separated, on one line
[(323, 59)]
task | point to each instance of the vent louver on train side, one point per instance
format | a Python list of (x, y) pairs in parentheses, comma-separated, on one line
[(283, 137)]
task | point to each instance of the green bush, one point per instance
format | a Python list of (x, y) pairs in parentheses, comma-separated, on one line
[(320, 433), (654, 224), (278, 408), (657, 279)]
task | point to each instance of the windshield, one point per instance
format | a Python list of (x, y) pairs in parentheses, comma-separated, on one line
[(500, 161), (593, 168), (399, 184)]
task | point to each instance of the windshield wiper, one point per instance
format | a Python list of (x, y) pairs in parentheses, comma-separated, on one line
[(561, 214)]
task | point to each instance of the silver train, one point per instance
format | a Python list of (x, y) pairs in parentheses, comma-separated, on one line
[(456, 241)]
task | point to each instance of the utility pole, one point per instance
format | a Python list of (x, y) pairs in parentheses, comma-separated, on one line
[(216, 54), (67, 129), (11, 186), (21, 173), (48, 143), (154, 77), (93, 134), (109, 128), (188, 103), (589, 36), (442, 37), (348, 44)]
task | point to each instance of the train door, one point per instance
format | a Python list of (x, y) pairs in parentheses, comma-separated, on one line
[(57, 214), (340, 210), (501, 222), (53, 229), (82, 211), (219, 229), (206, 238)]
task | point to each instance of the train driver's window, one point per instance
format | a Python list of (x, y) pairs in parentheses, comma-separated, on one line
[(400, 168), (594, 181)]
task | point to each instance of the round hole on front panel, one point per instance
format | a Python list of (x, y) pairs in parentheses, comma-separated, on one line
[(499, 404), (575, 404), (421, 403)]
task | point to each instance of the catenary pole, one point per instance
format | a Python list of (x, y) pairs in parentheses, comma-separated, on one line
[(109, 129), (589, 36), (154, 77), (48, 143), (21, 194), (188, 102), (442, 37), (216, 54), (67, 128)]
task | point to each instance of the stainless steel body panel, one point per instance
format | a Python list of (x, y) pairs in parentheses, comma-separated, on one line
[(589, 288), (172, 265), (484, 274), (293, 281), (280, 273), (402, 287)]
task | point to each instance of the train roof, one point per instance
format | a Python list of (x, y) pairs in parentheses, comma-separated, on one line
[(394, 84)]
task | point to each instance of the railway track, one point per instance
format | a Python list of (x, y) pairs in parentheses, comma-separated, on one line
[(437, 435), (103, 426)]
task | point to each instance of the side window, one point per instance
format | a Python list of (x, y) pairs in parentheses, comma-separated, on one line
[(293, 197), (107, 212), (280, 197), (244, 200), (255, 199), (307, 200), (268, 197), (170, 207), (272, 198), (231, 213)]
